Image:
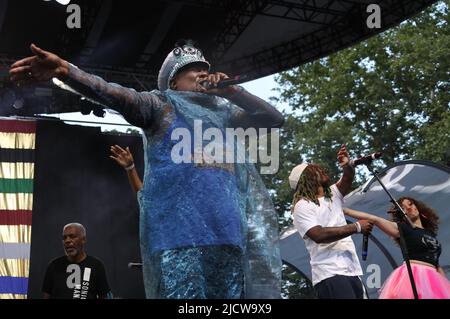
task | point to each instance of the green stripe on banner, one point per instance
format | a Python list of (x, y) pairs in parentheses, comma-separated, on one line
[(17, 185)]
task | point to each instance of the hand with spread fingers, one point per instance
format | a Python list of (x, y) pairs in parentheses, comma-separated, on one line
[(343, 157), (123, 157), (41, 67)]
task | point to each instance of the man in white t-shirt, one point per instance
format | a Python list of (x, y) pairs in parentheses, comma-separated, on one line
[(318, 217)]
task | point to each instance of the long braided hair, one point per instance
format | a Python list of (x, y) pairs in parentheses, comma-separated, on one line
[(308, 186)]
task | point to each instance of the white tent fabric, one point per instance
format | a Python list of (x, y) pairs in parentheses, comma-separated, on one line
[(423, 180)]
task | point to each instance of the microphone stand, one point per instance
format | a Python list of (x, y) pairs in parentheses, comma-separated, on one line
[(399, 215)]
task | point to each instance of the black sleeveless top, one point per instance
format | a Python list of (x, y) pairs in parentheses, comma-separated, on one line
[(422, 244)]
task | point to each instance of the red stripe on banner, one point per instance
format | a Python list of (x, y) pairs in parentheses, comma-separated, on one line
[(16, 126), (15, 217)]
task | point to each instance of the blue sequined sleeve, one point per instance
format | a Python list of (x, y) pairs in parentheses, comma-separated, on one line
[(138, 108)]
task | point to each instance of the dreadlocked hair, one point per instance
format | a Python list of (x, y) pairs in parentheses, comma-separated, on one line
[(427, 215), (308, 186)]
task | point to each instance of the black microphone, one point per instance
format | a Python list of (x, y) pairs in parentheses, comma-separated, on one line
[(364, 160), (238, 79), (365, 243)]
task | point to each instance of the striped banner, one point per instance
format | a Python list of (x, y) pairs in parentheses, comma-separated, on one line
[(17, 144)]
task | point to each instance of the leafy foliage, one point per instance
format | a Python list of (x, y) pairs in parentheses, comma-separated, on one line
[(389, 93)]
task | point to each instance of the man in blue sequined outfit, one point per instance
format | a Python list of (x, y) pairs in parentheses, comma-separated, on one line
[(207, 229)]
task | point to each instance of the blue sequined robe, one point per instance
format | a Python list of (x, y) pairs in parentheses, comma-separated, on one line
[(187, 206)]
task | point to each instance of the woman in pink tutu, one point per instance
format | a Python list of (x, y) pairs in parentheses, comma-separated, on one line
[(423, 249)]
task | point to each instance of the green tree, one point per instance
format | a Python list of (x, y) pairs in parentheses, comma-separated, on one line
[(389, 93)]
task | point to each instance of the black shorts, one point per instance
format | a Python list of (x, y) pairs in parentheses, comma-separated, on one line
[(340, 287)]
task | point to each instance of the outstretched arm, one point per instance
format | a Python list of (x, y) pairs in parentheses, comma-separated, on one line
[(388, 227), (124, 158), (324, 235), (43, 66)]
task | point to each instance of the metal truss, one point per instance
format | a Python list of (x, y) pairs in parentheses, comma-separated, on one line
[(237, 20), (341, 24), (242, 13), (342, 31)]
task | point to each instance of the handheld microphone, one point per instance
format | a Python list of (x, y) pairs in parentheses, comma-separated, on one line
[(224, 83), (364, 160), (365, 243)]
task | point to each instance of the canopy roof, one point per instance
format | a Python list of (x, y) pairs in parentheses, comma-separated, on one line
[(126, 41)]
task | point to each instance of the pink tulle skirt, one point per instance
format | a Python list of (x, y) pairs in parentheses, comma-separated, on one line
[(430, 284)]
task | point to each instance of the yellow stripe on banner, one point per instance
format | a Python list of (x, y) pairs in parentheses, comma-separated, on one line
[(18, 201), (15, 234), (16, 170), (14, 268), (12, 296), (17, 140)]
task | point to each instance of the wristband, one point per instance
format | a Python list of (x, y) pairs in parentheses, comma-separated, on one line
[(129, 168), (358, 227)]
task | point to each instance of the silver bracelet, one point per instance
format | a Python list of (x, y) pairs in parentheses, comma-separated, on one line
[(129, 168)]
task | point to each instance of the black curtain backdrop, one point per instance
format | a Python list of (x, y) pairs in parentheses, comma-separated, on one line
[(76, 181)]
